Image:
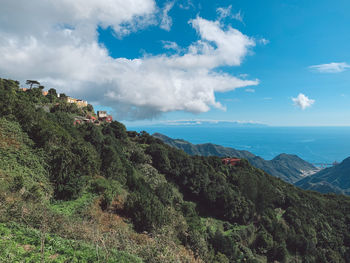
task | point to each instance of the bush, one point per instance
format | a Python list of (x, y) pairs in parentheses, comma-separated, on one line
[(146, 210)]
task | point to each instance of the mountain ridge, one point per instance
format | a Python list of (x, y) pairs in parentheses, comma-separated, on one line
[(100, 193), (330, 180), (288, 167)]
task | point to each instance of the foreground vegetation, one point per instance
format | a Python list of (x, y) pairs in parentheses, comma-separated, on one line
[(92, 193)]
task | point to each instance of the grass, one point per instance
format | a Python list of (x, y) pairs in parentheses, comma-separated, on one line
[(70, 208), (22, 244)]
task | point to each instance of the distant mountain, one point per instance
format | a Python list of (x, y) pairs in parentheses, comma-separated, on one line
[(76, 185), (206, 149), (335, 179), (289, 168), (207, 123)]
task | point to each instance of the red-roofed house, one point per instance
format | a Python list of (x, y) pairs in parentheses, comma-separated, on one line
[(231, 161)]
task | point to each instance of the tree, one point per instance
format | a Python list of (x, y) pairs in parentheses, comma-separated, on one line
[(90, 108), (32, 82), (146, 210), (52, 95)]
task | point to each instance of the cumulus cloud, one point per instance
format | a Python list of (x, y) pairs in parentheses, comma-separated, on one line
[(303, 101), (56, 43), (331, 67)]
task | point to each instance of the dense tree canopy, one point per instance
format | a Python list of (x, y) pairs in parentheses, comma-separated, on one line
[(221, 213)]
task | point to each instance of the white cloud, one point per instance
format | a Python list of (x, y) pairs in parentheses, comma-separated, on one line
[(303, 101), (186, 4), (264, 41), (331, 67), (166, 21), (231, 45), (227, 12), (224, 12), (38, 17), (171, 45), (56, 42), (250, 90)]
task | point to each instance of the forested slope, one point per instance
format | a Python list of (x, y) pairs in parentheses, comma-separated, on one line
[(288, 167), (89, 193), (334, 179)]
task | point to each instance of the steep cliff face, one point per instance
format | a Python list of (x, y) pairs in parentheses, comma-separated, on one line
[(289, 168)]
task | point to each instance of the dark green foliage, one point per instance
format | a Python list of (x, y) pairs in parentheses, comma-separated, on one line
[(264, 241), (18, 183), (89, 108), (108, 189), (52, 95), (225, 245), (285, 166), (116, 130), (64, 106), (146, 210), (32, 82), (222, 213), (112, 166), (23, 167), (8, 96)]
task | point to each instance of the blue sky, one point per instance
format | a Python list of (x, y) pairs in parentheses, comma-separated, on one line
[(283, 63), (299, 33)]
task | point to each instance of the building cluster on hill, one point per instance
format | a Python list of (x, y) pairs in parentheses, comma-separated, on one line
[(102, 116), (78, 102)]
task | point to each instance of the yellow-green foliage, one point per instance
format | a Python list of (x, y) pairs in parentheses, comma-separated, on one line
[(73, 207), (23, 244)]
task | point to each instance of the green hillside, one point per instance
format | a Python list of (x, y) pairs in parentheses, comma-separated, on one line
[(330, 180), (289, 168), (99, 193)]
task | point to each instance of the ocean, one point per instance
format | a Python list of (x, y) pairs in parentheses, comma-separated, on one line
[(313, 144)]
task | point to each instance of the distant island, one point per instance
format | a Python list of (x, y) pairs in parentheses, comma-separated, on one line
[(207, 123)]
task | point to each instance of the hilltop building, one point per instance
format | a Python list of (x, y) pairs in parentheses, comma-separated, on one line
[(231, 161), (79, 103), (103, 116)]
